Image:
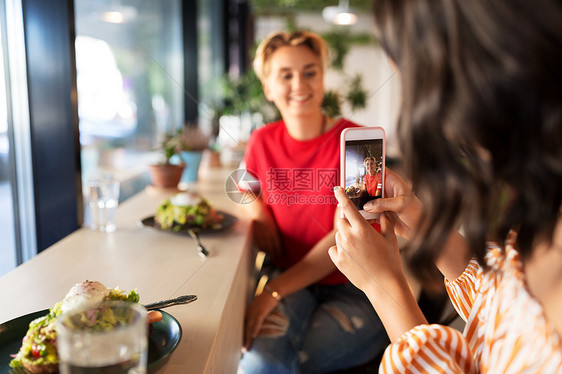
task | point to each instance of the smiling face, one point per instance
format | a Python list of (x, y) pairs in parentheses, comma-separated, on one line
[(295, 81), (370, 166)]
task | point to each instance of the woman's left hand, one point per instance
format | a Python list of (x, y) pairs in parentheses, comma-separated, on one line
[(256, 313)]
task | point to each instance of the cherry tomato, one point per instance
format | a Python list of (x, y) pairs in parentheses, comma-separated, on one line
[(35, 351)]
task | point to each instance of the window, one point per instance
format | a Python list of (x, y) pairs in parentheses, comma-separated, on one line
[(7, 222), (129, 63), (17, 224), (132, 87)]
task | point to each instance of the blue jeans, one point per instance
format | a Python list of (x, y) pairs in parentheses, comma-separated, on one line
[(317, 330)]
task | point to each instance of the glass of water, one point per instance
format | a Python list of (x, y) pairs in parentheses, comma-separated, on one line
[(109, 338), (103, 198)]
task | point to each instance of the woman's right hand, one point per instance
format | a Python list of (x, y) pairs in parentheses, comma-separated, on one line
[(402, 206), (256, 314)]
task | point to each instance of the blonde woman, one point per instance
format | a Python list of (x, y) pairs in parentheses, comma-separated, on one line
[(372, 181), (310, 318)]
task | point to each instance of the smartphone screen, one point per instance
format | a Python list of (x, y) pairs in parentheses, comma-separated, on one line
[(363, 165)]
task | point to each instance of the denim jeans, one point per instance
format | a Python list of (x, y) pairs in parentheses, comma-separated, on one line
[(317, 330)]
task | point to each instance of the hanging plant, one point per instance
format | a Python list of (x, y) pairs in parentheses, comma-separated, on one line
[(266, 7), (357, 95), (339, 48), (340, 41)]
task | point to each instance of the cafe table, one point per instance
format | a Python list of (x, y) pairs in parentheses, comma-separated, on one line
[(160, 265)]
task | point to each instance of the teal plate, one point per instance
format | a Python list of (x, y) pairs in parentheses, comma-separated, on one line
[(165, 337)]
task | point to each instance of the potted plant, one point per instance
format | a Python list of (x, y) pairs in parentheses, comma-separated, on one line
[(166, 174)]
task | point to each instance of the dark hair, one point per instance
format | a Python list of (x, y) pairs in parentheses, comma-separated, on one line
[(481, 123)]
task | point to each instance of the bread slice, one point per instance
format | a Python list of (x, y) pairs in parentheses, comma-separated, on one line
[(41, 368)]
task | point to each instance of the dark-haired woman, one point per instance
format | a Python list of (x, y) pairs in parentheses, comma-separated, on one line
[(481, 135)]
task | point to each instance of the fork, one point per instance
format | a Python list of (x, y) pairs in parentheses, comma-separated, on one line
[(195, 235)]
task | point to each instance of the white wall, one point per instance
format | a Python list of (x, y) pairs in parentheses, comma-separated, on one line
[(379, 78)]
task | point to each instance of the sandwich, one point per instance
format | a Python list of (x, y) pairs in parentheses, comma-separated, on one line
[(38, 352)]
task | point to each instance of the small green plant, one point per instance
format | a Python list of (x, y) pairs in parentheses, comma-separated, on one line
[(170, 146), (188, 138)]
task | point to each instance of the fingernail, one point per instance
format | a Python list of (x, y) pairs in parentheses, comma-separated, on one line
[(335, 188)]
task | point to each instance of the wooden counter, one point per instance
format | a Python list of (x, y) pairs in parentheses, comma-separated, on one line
[(159, 265)]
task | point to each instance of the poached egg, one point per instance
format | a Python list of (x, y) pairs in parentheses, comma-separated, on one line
[(83, 295), (186, 199)]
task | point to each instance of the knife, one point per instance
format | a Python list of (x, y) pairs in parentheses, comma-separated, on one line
[(185, 299)]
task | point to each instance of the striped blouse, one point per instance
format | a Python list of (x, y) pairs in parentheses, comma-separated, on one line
[(506, 330)]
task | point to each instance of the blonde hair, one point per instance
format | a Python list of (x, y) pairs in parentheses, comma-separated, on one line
[(369, 158), (280, 39)]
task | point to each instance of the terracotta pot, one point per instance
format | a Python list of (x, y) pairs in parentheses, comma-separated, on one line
[(166, 175)]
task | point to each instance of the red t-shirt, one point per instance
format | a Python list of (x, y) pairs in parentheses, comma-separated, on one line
[(373, 183), (297, 184)]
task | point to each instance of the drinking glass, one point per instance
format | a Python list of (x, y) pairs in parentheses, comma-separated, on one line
[(103, 198), (109, 338)]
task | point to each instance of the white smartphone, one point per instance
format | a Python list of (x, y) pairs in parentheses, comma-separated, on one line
[(362, 160)]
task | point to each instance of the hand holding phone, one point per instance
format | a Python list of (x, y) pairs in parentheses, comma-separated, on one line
[(362, 162)]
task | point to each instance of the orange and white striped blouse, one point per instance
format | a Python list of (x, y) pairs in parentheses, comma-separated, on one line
[(506, 330)]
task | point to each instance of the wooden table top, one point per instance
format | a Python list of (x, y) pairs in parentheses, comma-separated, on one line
[(159, 265)]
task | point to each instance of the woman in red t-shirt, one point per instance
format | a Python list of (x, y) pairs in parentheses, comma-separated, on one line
[(309, 318), (373, 178)]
